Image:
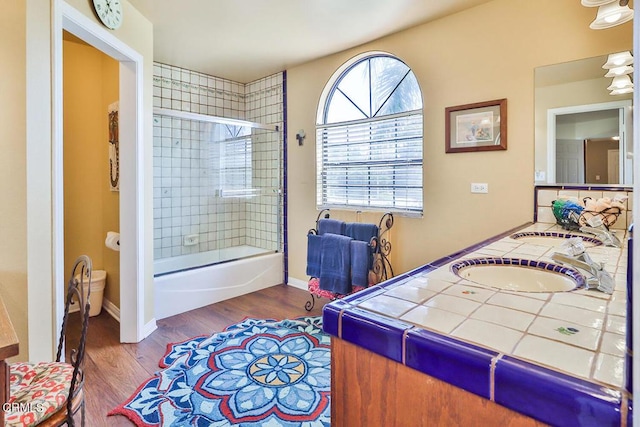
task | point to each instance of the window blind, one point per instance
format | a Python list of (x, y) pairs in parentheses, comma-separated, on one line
[(235, 168), (371, 163)]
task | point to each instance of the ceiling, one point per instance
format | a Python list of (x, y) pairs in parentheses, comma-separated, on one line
[(250, 39)]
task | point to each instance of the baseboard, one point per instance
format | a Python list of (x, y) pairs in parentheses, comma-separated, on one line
[(297, 283), (111, 308), (107, 306), (149, 328)]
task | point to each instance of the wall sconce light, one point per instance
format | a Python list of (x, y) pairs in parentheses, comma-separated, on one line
[(610, 13), (618, 59), (619, 71), (619, 67), (621, 91), (300, 136), (621, 82)]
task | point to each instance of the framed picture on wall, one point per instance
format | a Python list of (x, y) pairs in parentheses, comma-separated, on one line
[(481, 126)]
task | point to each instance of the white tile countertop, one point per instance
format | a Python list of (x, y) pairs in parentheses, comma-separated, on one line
[(580, 333)]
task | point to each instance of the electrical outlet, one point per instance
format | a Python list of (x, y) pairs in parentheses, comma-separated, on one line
[(190, 240), (479, 187)]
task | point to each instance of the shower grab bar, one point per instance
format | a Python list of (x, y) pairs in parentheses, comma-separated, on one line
[(212, 119)]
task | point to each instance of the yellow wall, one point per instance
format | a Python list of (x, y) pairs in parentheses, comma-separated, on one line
[(485, 53), (90, 208), (13, 208)]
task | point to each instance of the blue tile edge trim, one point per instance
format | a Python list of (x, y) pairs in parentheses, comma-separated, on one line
[(331, 320), (458, 363), (379, 334), (553, 397)]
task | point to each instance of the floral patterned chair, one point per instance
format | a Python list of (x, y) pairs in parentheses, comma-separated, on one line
[(50, 393)]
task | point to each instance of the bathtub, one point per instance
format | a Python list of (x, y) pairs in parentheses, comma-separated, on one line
[(180, 285)]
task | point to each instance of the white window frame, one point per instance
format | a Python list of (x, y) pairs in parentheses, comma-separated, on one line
[(323, 129)]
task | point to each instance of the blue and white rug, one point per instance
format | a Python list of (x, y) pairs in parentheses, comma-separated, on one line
[(259, 372)]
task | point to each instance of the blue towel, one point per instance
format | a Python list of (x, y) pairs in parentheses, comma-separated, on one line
[(327, 225), (361, 231), (314, 255), (360, 254), (335, 266)]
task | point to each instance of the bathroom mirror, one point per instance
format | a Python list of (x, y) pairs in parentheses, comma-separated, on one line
[(583, 135)]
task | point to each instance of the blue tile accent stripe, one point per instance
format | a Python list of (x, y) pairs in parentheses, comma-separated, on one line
[(572, 273), (587, 239), (553, 397), (458, 363), (378, 334), (331, 319)]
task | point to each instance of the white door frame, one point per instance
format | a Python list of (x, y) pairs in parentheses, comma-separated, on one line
[(45, 216), (130, 126), (624, 105)]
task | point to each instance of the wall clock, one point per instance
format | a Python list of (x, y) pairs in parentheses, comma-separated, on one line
[(109, 12)]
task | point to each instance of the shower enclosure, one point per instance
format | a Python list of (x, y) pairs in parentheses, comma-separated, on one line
[(216, 193)]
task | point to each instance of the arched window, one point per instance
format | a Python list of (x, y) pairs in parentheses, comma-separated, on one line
[(369, 138)]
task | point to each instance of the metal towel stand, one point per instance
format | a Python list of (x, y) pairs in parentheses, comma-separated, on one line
[(381, 268)]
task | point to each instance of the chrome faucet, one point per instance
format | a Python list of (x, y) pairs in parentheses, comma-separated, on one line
[(597, 228), (595, 274), (607, 237)]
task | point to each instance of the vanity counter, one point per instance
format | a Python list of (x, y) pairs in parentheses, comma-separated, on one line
[(557, 357)]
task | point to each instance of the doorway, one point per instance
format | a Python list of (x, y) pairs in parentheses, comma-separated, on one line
[(602, 161), (91, 204), (45, 217), (569, 128), (133, 327)]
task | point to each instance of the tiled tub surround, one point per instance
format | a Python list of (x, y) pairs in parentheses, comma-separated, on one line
[(191, 162), (184, 199), (556, 357)]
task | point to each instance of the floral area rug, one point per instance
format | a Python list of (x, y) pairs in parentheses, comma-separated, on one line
[(259, 372)]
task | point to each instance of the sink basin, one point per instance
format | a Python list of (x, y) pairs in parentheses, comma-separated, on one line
[(552, 239), (520, 275)]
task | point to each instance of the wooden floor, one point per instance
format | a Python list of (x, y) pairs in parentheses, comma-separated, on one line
[(114, 370)]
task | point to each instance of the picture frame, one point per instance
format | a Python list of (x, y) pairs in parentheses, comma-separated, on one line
[(481, 126)]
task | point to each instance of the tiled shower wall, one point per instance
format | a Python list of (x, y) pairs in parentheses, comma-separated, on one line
[(264, 104), (185, 200)]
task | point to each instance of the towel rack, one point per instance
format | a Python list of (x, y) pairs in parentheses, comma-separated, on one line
[(381, 266)]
